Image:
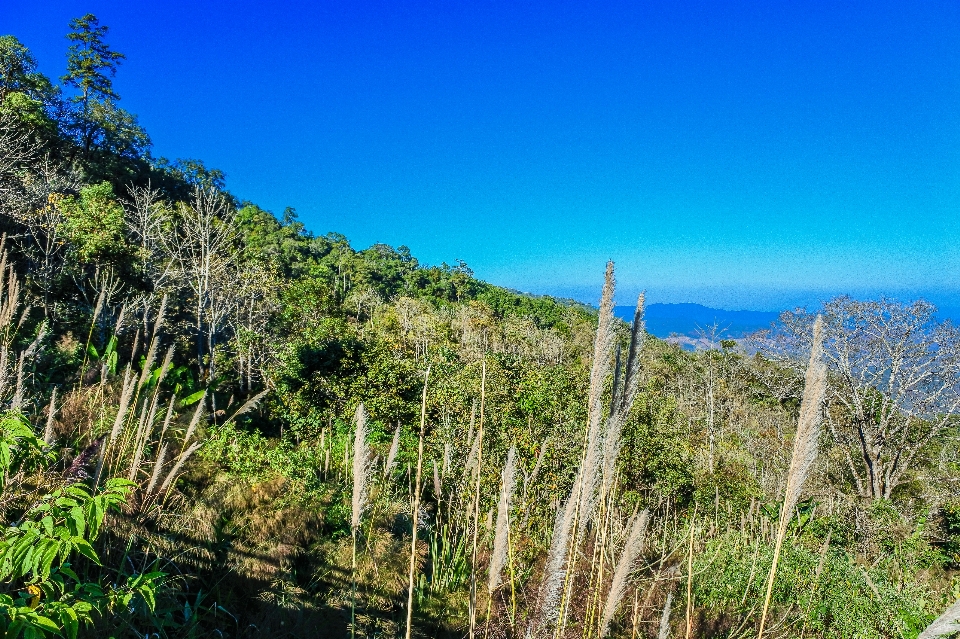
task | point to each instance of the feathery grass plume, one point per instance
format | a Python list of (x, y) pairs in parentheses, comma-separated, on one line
[(148, 363), (574, 514), (175, 471), (622, 398), (392, 454), (554, 573), (446, 459), (158, 324), (101, 300), (126, 393), (136, 345), (499, 557), (247, 406), (637, 531), (157, 469), (361, 466), (168, 417), (416, 506), (946, 624), (11, 300), (804, 450), (140, 435), (165, 366), (195, 420), (476, 503), (118, 327), (152, 350), (665, 619), (437, 488), (602, 354), (4, 370), (471, 462), (30, 351), (51, 413)]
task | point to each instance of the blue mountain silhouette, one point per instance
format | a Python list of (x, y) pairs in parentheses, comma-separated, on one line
[(664, 320)]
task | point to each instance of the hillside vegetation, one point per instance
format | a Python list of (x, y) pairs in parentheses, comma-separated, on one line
[(217, 423)]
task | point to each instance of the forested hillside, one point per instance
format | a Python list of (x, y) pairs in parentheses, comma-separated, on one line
[(218, 423)]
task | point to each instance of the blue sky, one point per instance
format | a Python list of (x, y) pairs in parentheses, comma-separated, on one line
[(743, 155)]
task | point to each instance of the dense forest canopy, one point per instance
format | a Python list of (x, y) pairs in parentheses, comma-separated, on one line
[(217, 422)]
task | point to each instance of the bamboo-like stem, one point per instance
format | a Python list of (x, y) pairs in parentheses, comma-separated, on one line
[(693, 520), (570, 553), (416, 505), (606, 518), (570, 564), (592, 596), (486, 623), (353, 598), (513, 590), (476, 504), (594, 603)]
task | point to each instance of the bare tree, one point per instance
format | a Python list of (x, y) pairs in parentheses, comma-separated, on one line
[(894, 382), (35, 204), (145, 214), (16, 151), (256, 296), (203, 248)]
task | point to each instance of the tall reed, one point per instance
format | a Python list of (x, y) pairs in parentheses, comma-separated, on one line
[(51, 414), (362, 468), (476, 505), (392, 454), (501, 538), (946, 624), (637, 531), (665, 619), (415, 502), (572, 516), (804, 451)]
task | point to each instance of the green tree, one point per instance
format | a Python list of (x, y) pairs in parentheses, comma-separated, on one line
[(94, 224), (25, 93), (108, 138), (90, 62)]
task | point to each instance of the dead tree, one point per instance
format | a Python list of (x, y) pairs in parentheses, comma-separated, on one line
[(894, 382), (204, 252)]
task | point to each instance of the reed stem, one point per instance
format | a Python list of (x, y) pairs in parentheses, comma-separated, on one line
[(416, 504)]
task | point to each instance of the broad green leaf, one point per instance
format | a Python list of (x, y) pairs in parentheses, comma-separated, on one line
[(191, 399), (85, 549)]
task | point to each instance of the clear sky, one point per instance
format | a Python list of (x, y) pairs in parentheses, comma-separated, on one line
[(739, 154)]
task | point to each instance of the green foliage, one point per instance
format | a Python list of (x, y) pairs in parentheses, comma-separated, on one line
[(831, 592), (90, 62), (20, 450), (94, 224), (41, 593)]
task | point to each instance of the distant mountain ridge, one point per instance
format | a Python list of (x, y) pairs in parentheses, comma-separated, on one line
[(664, 320)]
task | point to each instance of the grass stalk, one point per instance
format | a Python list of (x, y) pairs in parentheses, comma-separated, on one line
[(476, 505), (416, 506), (804, 452), (689, 615), (362, 468)]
